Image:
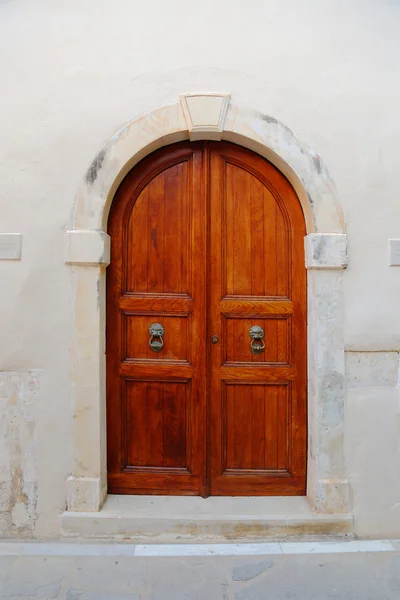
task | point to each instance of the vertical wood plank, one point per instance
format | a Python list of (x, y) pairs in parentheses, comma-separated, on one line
[(174, 336), (136, 428), (272, 326), (282, 353), (173, 226), (271, 424), (155, 255), (257, 431), (282, 251), (186, 220), (174, 418), (282, 426), (258, 258), (241, 235), (226, 227), (242, 340), (229, 426), (154, 439), (138, 337), (137, 245), (242, 395), (270, 249)]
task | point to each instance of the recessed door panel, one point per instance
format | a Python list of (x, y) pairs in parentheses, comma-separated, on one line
[(175, 339), (277, 335), (255, 428), (158, 232), (255, 236), (157, 431)]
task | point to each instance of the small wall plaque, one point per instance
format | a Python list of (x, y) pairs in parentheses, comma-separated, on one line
[(394, 253), (10, 246)]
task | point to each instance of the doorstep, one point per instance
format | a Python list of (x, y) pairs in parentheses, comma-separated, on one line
[(177, 518)]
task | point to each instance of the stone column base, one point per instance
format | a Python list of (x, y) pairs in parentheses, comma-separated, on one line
[(85, 494), (332, 496)]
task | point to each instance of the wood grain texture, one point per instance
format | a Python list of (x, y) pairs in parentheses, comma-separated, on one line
[(206, 239)]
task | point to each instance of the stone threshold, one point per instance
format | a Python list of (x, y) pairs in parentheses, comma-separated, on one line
[(178, 518)]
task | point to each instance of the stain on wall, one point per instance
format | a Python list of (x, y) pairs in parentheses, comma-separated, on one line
[(19, 393)]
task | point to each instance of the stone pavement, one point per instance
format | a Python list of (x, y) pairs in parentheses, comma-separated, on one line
[(117, 573)]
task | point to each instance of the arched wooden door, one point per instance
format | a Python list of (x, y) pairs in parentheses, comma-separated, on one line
[(206, 242)]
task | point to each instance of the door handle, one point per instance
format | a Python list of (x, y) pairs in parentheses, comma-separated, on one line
[(156, 341), (257, 344)]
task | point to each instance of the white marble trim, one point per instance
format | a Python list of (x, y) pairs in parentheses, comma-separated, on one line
[(250, 549)]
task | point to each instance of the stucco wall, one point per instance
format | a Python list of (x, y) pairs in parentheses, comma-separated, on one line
[(73, 71)]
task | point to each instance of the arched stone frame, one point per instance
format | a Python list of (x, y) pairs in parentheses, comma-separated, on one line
[(210, 116)]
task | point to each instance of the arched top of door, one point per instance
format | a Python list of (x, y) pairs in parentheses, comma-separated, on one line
[(200, 116)]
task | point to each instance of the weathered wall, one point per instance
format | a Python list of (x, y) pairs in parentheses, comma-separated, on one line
[(72, 73)]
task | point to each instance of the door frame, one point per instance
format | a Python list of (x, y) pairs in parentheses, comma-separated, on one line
[(210, 116)]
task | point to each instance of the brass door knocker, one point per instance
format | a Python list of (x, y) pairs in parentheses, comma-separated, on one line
[(156, 341), (257, 344)]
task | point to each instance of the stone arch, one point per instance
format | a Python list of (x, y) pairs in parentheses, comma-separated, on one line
[(265, 135), (210, 116)]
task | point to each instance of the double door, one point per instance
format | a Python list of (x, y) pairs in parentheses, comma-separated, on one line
[(206, 327)]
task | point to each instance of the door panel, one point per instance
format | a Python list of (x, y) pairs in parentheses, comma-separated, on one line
[(157, 230), (156, 401), (254, 235), (258, 401), (157, 433), (175, 347), (206, 240), (277, 337), (255, 428)]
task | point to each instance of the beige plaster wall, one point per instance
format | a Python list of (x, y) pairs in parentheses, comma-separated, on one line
[(72, 72)]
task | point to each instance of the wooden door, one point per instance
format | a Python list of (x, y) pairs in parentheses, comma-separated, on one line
[(258, 401), (156, 401), (206, 241)]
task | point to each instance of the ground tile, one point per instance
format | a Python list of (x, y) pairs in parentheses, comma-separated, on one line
[(107, 574), (6, 563), (78, 595), (187, 578), (337, 547), (34, 576), (250, 571), (396, 544)]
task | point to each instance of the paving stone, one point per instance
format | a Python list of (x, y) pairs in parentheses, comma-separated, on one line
[(187, 579), (330, 577), (6, 563), (78, 595), (109, 574), (35, 576), (396, 544), (351, 576), (22, 598), (73, 595), (250, 571)]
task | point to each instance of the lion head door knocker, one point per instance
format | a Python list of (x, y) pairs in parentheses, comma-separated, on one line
[(257, 344), (156, 341)]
